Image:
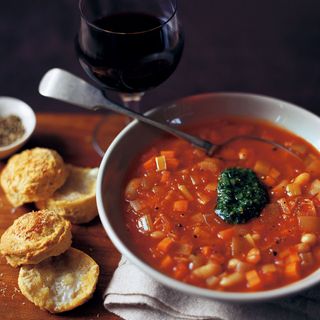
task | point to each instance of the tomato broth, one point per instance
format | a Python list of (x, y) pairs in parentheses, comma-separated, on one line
[(171, 195)]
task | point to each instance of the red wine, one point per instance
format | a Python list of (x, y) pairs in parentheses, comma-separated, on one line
[(129, 52)]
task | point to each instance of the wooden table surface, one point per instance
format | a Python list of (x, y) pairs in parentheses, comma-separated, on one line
[(71, 136)]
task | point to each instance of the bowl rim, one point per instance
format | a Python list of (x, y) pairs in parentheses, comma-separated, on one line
[(28, 132), (257, 296)]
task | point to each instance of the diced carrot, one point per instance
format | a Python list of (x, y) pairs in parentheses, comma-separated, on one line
[(269, 181), (180, 205), (274, 173), (150, 164), (180, 270), (226, 234), (293, 257), (165, 244), (269, 274), (166, 262), (292, 270), (253, 279), (206, 251), (261, 167), (168, 154), (165, 175), (172, 163)]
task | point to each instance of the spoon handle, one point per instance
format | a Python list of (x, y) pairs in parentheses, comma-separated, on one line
[(62, 85)]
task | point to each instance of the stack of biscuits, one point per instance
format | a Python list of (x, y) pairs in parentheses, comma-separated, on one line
[(53, 275)]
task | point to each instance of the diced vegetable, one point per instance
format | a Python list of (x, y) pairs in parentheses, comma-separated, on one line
[(253, 279), (268, 268), (183, 249), (293, 189), (262, 168), (309, 223), (314, 167), (132, 188), (236, 246), (150, 164), (180, 271), (166, 262), (249, 239), (269, 181), (211, 187), (314, 187), (165, 244), (306, 259), (306, 207), (226, 234), (284, 205), (309, 238), (165, 175), (172, 163), (274, 173), (137, 205), (157, 235), (161, 163), (203, 198), (209, 164), (145, 223), (280, 188), (180, 205), (186, 193), (302, 178), (292, 270)]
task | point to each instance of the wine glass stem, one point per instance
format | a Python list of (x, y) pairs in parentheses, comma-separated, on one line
[(132, 100)]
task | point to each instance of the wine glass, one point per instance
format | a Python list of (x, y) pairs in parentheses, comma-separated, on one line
[(128, 46)]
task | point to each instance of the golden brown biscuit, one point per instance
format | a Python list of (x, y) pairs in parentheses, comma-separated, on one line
[(76, 199), (34, 237), (33, 175), (60, 283)]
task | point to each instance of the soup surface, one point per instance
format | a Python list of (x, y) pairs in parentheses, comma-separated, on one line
[(170, 200)]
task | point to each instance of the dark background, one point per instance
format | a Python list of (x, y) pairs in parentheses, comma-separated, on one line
[(267, 47)]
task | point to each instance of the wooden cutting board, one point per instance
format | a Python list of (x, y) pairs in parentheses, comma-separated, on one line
[(70, 135)]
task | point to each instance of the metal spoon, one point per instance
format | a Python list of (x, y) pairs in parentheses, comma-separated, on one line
[(62, 85)]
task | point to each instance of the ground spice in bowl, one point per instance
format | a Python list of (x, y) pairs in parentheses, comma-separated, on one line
[(11, 129)]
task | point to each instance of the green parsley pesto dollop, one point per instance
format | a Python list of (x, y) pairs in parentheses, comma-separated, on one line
[(241, 195)]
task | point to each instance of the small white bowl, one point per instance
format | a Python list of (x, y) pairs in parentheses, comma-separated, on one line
[(13, 106), (137, 136)]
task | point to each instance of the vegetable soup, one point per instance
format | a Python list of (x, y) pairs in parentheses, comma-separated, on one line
[(195, 218)]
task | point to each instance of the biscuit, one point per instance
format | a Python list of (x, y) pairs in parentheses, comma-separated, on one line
[(76, 199), (60, 283), (34, 237), (33, 175)]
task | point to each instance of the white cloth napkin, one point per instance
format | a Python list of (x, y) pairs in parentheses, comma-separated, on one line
[(133, 295)]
